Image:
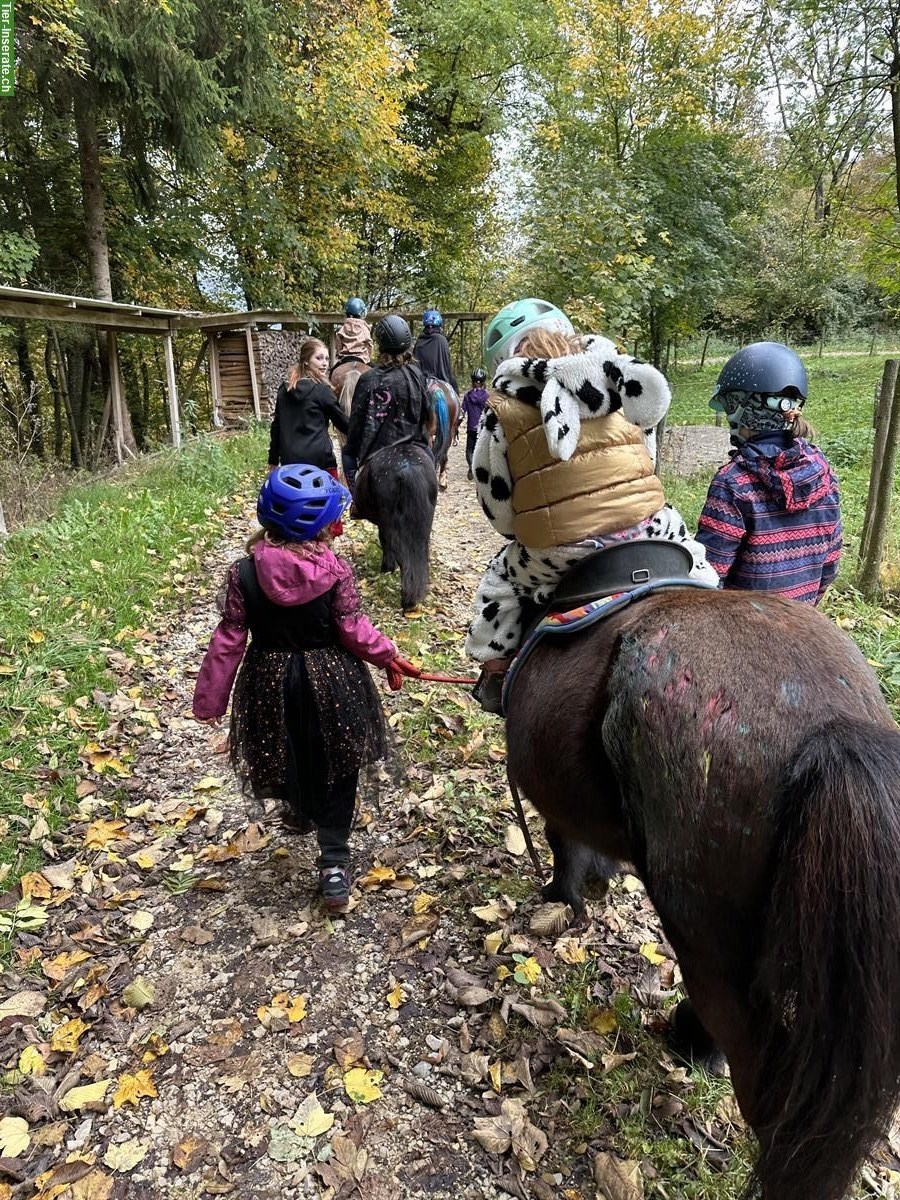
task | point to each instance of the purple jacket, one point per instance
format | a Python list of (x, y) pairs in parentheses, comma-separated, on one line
[(772, 519), (289, 577), (473, 403)]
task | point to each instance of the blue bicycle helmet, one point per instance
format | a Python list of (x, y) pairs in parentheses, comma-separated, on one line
[(432, 317), (299, 501), (355, 307)]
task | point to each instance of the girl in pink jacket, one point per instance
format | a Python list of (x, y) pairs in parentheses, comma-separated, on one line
[(306, 716)]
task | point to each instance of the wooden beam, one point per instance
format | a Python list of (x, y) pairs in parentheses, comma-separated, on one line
[(172, 391), (83, 316), (214, 382), (254, 382)]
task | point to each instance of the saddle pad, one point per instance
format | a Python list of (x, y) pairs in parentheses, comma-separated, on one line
[(585, 615)]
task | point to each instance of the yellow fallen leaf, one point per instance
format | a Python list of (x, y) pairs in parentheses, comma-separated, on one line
[(362, 1085), (209, 783), (570, 951), (650, 951), (58, 968), (602, 1020), (35, 885), (14, 1137), (140, 920), (528, 970), (91, 1093), (631, 883), (493, 941), (297, 1009), (145, 859), (125, 1156), (495, 1073), (153, 1048), (300, 1065), (100, 833), (36, 637), (311, 1120), (139, 993), (423, 902), (31, 1063), (65, 1037), (377, 875), (396, 996), (132, 1087)]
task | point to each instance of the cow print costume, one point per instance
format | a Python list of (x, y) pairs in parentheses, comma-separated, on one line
[(568, 391)]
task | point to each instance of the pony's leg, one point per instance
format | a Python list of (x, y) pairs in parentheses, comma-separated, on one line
[(573, 865), (388, 561), (690, 1041)]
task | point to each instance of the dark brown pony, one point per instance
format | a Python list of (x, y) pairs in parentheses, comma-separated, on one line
[(738, 752)]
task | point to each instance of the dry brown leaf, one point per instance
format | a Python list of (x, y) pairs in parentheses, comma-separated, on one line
[(23, 1004), (189, 1152), (514, 840), (422, 1092), (471, 996), (195, 936), (419, 926), (551, 920), (617, 1179)]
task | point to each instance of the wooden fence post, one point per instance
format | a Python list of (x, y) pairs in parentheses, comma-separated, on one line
[(881, 480), (172, 392)]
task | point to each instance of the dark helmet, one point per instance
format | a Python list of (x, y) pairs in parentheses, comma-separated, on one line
[(355, 307), (479, 375), (299, 501), (393, 335), (431, 317), (762, 369)]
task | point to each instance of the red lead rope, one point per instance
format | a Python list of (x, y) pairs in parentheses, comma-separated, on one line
[(463, 680)]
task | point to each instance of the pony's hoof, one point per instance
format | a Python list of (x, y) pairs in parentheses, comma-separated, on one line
[(442, 483), (554, 892)]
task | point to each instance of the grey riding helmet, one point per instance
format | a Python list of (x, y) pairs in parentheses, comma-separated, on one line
[(393, 334)]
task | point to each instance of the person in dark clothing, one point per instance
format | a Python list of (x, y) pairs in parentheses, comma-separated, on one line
[(432, 350), (303, 409), (391, 403), (306, 716)]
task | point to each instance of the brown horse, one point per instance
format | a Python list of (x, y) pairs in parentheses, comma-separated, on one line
[(738, 752)]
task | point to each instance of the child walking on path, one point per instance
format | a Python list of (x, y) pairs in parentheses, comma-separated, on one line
[(306, 716), (473, 403), (772, 517)]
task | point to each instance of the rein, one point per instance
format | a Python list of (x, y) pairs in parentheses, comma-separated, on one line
[(462, 680)]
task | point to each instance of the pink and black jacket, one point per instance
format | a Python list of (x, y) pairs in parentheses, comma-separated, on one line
[(772, 519)]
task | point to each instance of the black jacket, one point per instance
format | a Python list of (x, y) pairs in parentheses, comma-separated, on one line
[(300, 425), (432, 353), (390, 405)]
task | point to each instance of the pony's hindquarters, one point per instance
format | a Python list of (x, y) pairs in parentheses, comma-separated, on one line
[(826, 995), (399, 492)]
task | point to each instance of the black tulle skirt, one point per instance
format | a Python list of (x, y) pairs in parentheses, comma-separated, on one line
[(302, 719)]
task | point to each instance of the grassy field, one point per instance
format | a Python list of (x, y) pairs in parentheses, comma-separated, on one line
[(75, 591)]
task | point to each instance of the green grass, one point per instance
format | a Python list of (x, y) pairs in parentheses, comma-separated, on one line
[(119, 555)]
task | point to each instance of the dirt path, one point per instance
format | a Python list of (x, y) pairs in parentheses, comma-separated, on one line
[(188, 1022)]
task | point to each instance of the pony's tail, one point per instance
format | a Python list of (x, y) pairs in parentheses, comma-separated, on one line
[(408, 528), (827, 990)]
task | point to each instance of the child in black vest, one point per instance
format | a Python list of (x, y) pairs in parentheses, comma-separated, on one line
[(306, 716)]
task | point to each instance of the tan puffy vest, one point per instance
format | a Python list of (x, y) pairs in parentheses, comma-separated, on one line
[(607, 485)]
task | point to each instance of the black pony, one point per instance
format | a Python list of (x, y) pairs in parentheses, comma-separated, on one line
[(739, 753), (396, 490)]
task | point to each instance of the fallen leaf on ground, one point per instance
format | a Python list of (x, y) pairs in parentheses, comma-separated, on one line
[(311, 1120), (14, 1136), (515, 840), (81, 1097), (300, 1065), (139, 993), (617, 1179), (650, 951), (65, 1037), (189, 1152), (362, 1085), (132, 1087), (124, 1156)]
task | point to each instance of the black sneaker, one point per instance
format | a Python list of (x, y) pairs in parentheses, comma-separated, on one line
[(334, 886)]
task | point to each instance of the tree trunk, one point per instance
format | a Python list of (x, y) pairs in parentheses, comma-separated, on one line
[(881, 421), (34, 430), (57, 400), (881, 487), (64, 385), (95, 227)]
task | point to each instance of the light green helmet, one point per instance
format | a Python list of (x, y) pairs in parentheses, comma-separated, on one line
[(512, 322)]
